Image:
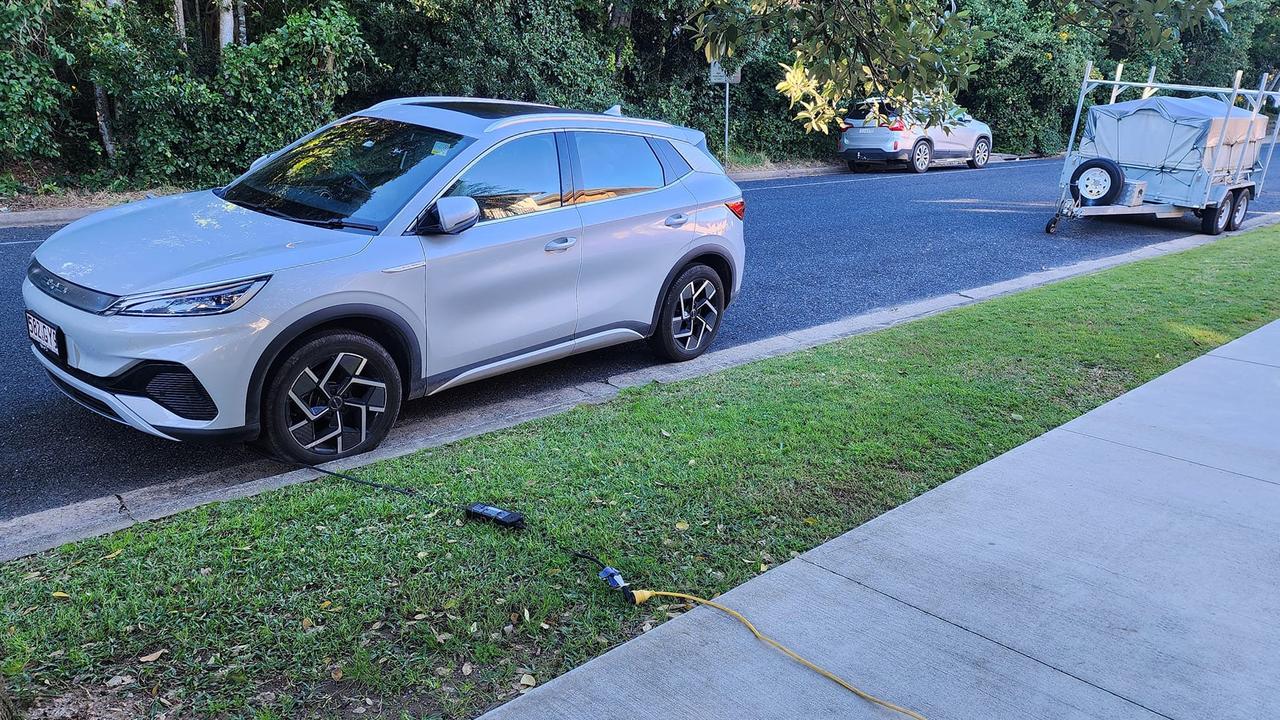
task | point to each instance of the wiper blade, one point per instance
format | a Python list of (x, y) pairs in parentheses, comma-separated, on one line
[(341, 223), (335, 223)]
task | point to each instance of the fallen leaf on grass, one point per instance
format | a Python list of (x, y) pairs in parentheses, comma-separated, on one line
[(307, 624), (119, 680), (111, 556), (466, 668), (153, 656), (528, 680), (59, 595), (336, 674), (682, 525)]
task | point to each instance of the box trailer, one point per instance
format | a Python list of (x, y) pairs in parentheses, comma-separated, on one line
[(1164, 156)]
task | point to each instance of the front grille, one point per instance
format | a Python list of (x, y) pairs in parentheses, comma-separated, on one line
[(77, 296), (170, 385), (179, 392), (85, 399)]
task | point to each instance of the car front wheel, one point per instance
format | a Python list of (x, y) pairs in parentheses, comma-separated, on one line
[(981, 154), (336, 395), (690, 314)]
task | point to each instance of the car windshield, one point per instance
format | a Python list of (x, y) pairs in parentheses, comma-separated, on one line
[(359, 172)]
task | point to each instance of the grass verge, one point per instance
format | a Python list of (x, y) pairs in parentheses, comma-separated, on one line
[(332, 600)]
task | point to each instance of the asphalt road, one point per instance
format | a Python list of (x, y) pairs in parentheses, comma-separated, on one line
[(819, 249)]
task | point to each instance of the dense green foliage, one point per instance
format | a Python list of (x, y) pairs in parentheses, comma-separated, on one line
[(179, 110)]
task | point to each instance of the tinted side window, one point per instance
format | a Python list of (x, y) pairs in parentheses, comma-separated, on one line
[(673, 163), (520, 177), (613, 165)]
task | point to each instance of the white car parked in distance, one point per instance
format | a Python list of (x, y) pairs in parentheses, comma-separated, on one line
[(396, 252), (899, 138)]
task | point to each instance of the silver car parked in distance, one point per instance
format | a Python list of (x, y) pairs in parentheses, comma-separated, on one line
[(399, 251), (897, 138)]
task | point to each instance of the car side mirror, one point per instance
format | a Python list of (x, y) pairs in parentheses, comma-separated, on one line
[(449, 215)]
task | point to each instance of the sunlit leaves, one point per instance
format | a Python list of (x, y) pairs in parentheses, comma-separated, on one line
[(848, 50)]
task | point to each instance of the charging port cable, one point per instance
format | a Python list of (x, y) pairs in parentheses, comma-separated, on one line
[(613, 578)]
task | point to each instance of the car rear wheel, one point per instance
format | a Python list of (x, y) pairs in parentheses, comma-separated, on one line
[(689, 318), (336, 395), (1239, 209), (921, 156), (854, 166), (981, 154)]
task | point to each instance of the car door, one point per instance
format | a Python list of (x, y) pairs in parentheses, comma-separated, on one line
[(637, 220), (507, 285)]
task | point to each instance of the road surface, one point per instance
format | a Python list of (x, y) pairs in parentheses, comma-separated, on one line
[(819, 249)]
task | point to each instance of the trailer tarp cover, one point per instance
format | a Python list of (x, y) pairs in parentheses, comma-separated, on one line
[(1169, 141)]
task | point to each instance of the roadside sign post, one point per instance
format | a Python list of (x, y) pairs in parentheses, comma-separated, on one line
[(715, 77)]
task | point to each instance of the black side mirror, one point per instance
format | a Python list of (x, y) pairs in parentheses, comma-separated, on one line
[(449, 215)]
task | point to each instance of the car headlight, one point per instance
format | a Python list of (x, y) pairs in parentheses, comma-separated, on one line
[(210, 300)]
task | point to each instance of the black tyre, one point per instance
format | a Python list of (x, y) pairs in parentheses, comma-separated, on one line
[(337, 394), (1215, 219), (981, 154), (921, 156), (689, 318), (854, 166), (1097, 181), (1051, 227), (1239, 209)]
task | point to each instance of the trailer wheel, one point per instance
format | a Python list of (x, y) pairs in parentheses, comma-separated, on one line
[(1052, 226), (1239, 209), (1213, 220), (1096, 182)]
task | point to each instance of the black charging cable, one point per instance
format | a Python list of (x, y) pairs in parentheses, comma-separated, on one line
[(485, 512)]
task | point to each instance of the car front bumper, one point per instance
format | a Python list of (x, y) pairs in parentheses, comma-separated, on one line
[(213, 358)]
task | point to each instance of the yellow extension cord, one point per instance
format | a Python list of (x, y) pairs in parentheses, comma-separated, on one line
[(642, 596)]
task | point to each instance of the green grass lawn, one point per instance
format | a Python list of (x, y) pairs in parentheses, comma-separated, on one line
[(307, 600)]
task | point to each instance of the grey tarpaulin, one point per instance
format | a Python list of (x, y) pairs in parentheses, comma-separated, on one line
[(1170, 143)]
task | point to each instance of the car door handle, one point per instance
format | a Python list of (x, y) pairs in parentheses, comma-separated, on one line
[(561, 244), (677, 220)]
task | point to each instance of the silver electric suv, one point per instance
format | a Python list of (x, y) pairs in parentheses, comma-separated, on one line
[(396, 252)]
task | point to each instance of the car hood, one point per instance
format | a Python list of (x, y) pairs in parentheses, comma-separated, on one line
[(184, 240)]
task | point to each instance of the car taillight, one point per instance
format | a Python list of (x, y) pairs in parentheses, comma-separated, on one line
[(737, 207), (896, 126)]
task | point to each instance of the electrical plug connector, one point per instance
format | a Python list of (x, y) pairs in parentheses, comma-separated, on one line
[(501, 517), (614, 580)]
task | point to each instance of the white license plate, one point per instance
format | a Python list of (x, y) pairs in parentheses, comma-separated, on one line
[(44, 335), (865, 131)]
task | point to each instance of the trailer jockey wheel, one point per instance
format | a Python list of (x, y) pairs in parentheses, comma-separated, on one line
[(1052, 226), (1096, 182)]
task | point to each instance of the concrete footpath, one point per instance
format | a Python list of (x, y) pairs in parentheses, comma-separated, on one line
[(1124, 565)]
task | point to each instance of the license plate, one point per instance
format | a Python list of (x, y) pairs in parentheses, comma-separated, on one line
[(46, 336), (866, 131)]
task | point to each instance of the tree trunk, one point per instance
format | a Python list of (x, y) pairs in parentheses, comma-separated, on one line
[(180, 22), (242, 31), (226, 24), (103, 110), (7, 709)]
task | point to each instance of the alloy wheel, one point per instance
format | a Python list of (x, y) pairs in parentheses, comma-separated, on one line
[(694, 317), (334, 403), (982, 153), (921, 157)]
